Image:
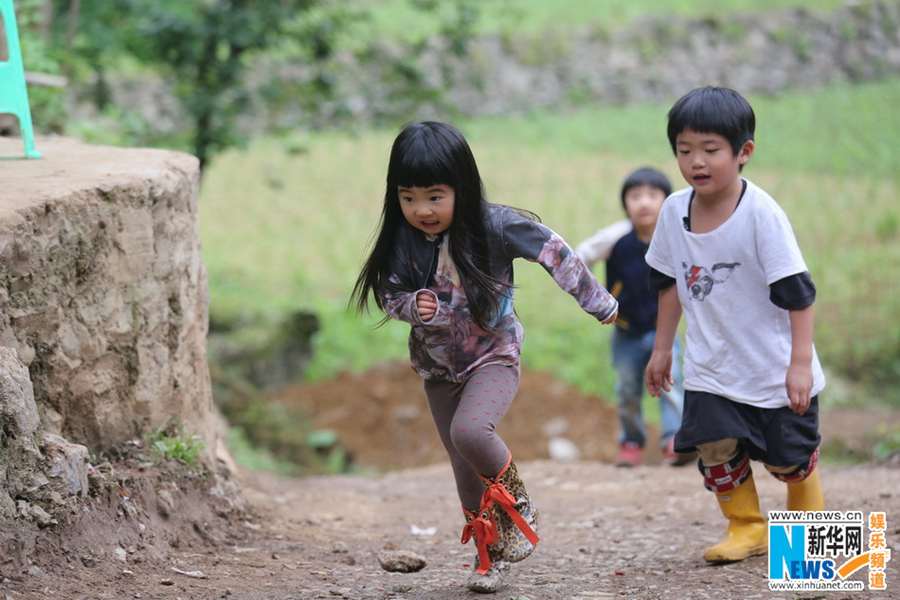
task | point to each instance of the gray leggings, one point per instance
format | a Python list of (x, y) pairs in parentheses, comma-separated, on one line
[(466, 416)]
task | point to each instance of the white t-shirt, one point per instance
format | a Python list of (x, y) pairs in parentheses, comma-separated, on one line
[(738, 341)]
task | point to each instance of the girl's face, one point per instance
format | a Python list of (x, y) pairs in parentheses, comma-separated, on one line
[(428, 209)]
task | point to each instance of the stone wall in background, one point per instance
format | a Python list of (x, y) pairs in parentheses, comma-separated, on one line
[(654, 59)]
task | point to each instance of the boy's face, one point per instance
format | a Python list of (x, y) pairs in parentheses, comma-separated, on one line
[(707, 162), (430, 210), (642, 204)]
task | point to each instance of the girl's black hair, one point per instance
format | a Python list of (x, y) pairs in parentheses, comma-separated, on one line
[(425, 154), (646, 176), (713, 110)]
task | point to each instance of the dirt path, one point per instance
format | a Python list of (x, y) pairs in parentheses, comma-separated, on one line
[(607, 533)]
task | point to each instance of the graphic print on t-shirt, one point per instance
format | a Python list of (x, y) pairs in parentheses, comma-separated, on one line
[(700, 280)]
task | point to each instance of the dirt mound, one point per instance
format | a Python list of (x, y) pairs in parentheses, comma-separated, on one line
[(382, 418), (140, 513)]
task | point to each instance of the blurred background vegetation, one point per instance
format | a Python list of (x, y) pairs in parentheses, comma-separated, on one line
[(291, 106)]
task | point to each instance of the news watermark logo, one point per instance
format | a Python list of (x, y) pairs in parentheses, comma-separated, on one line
[(821, 550)]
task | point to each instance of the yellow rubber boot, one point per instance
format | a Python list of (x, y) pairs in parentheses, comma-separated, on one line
[(806, 494), (747, 533)]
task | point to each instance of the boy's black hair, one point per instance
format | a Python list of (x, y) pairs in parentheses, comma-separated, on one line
[(425, 154), (646, 176), (713, 110)]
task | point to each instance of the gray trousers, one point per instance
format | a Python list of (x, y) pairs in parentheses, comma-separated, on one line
[(466, 416)]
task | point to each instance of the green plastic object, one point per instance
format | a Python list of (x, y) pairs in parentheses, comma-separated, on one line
[(13, 92)]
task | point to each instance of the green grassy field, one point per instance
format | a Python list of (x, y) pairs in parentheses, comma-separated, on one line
[(400, 19), (287, 230)]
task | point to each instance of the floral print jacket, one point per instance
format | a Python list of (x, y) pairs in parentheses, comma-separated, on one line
[(450, 345)]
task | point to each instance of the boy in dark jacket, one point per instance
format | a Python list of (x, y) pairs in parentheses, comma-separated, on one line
[(623, 246)]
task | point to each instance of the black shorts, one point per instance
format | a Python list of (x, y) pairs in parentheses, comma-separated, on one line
[(776, 436)]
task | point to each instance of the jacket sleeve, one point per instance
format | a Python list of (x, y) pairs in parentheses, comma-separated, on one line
[(599, 246), (528, 239), (401, 305)]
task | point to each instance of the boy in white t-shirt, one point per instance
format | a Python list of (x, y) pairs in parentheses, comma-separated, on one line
[(725, 253)]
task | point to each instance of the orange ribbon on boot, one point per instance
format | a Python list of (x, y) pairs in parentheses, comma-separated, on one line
[(496, 493), (484, 530)]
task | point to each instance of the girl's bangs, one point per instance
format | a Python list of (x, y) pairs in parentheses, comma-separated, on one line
[(418, 165)]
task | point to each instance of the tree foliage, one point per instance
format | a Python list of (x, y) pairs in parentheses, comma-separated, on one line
[(209, 54), (202, 48), (205, 47)]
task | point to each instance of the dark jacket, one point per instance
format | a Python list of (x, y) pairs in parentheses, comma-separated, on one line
[(628, 278)]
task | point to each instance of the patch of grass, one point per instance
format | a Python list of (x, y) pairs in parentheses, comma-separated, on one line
[(828, 157), (840, 129), (888, 444), (888, 226), (354, 343), (174, 444)]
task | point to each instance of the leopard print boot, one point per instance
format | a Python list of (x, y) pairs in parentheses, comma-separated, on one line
[(516, 515)]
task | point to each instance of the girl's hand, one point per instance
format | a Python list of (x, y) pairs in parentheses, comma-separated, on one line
[(658, 374), (798, 382), (611, 318), (426, 306)]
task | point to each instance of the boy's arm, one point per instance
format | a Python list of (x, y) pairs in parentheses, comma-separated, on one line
[(659, 257), (790, 288), (796, 294), (658, 374), (799, 377), (524, 238), (599, 246)]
